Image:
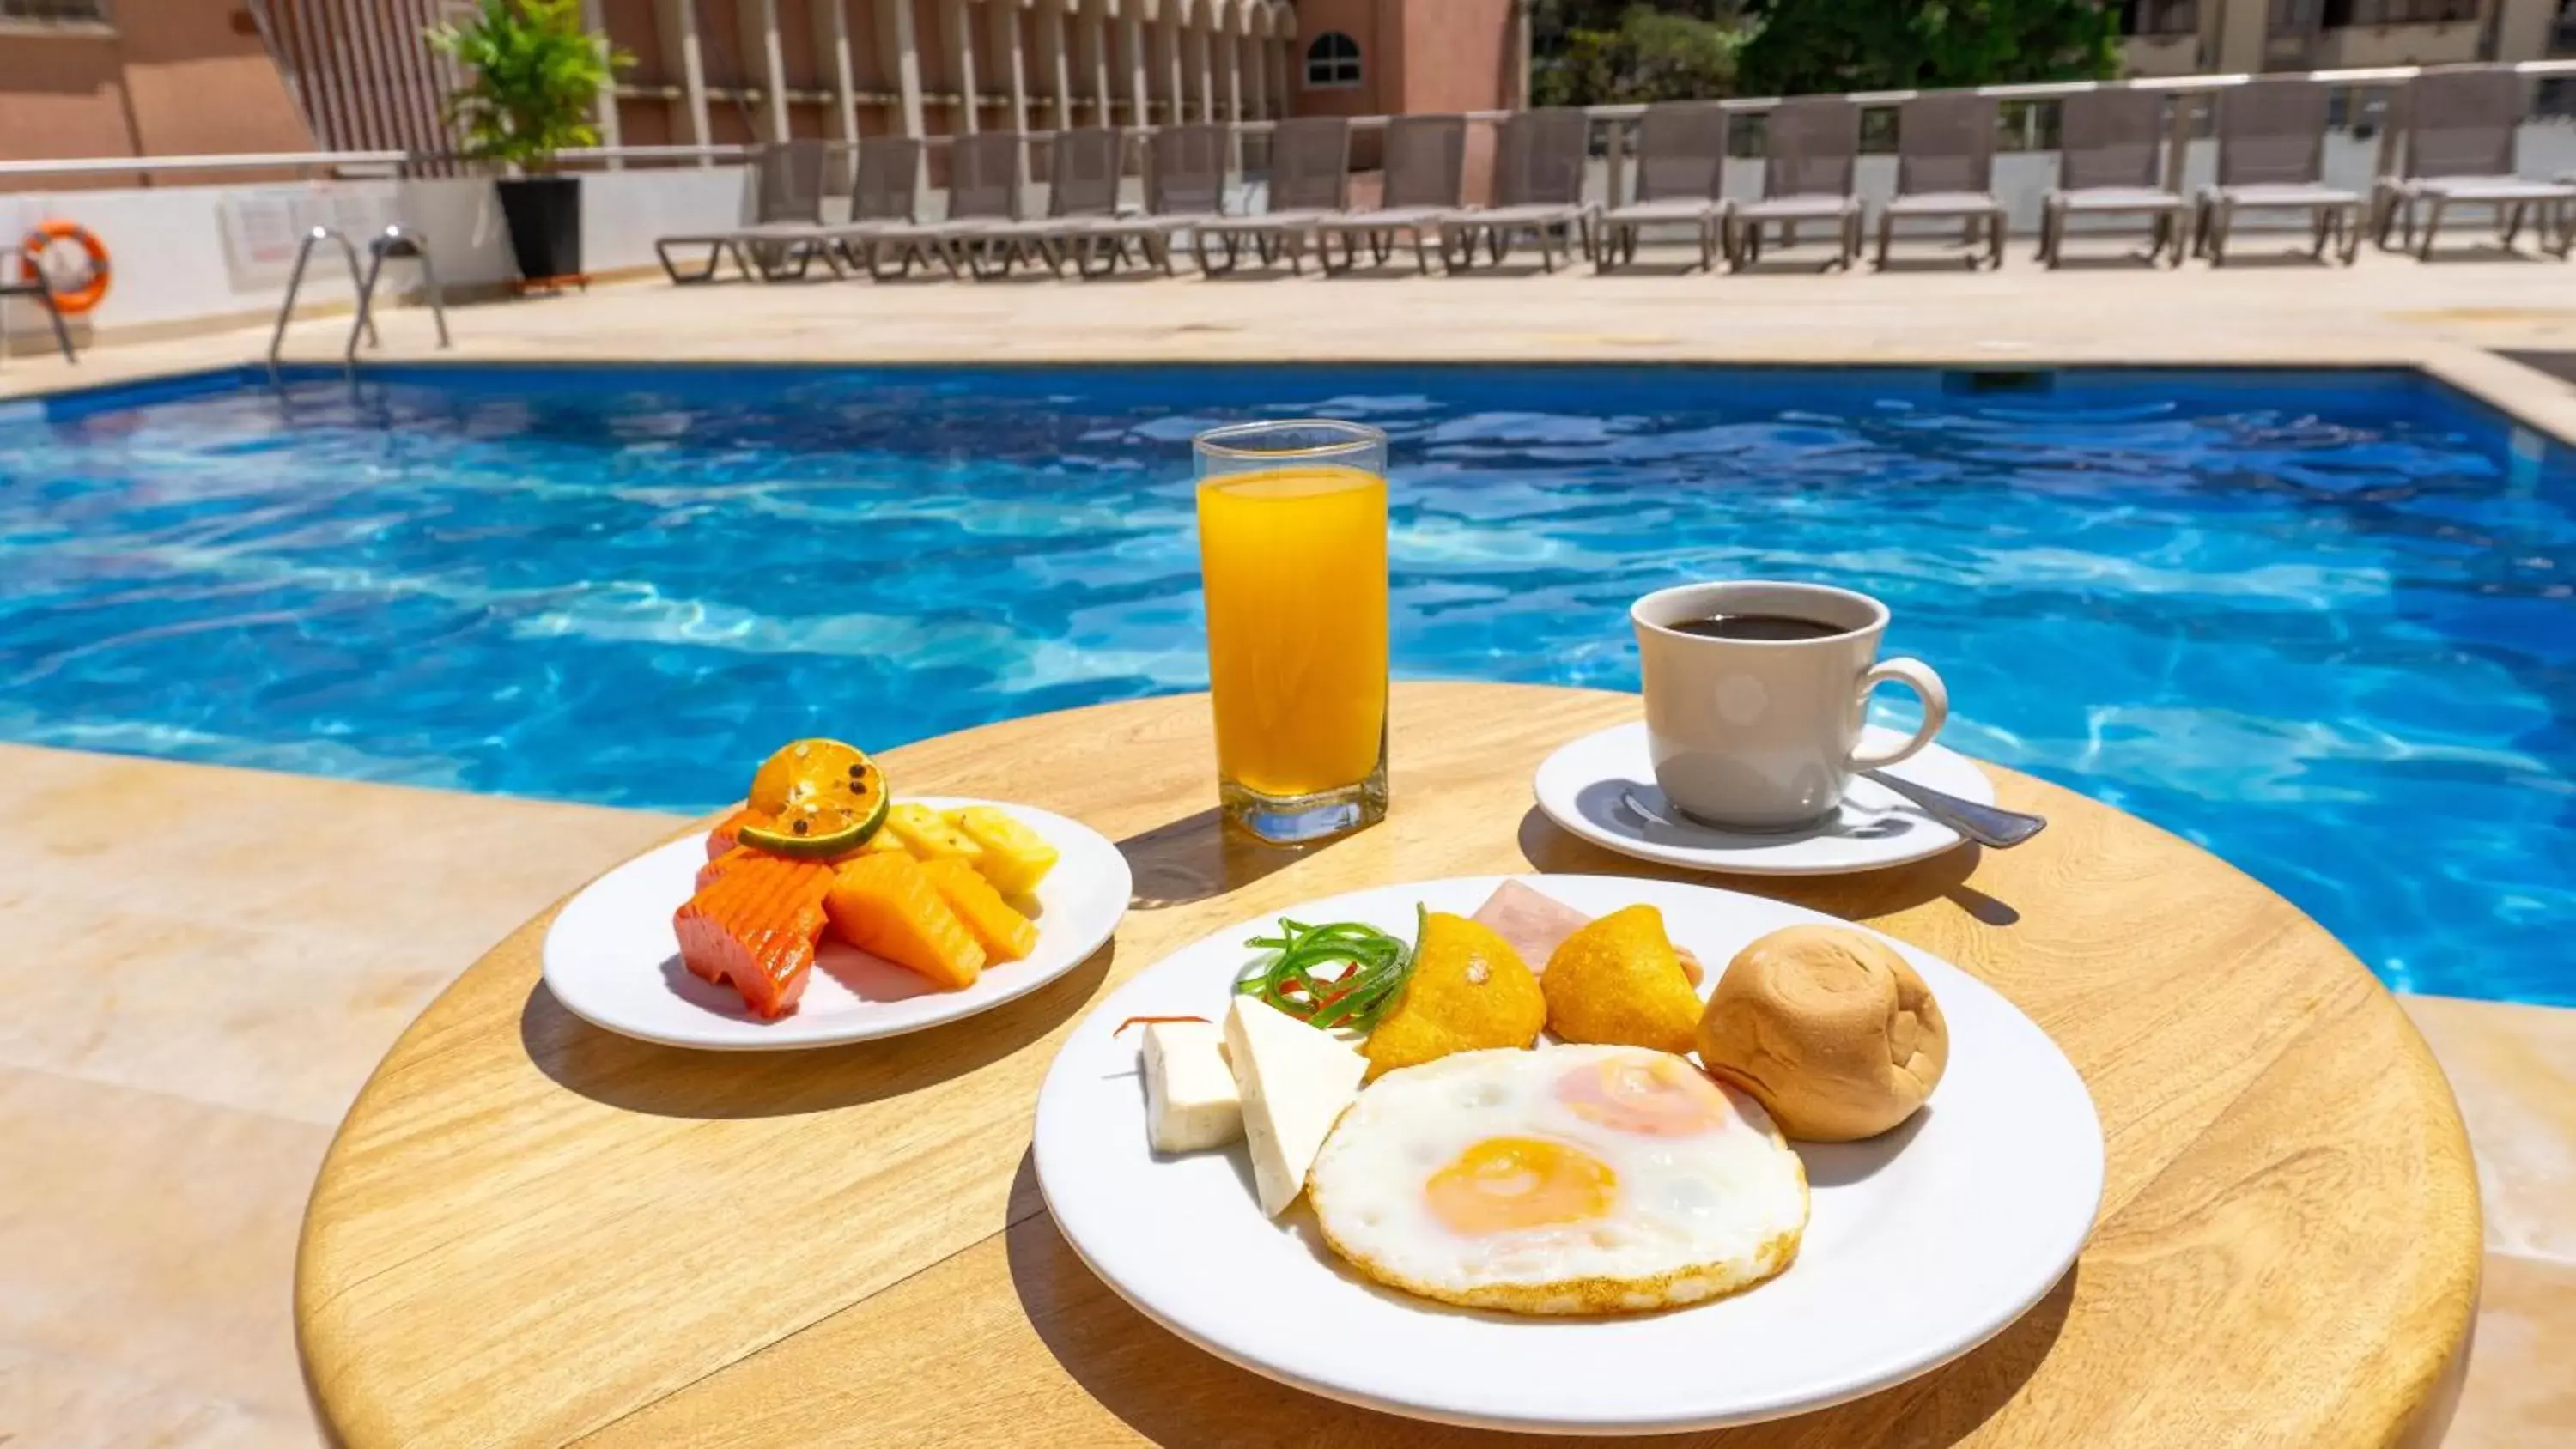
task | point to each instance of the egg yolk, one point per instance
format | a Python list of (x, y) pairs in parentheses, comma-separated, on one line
[(1659, 1096), (1503, 1184)]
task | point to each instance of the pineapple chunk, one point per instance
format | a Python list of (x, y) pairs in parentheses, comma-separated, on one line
[(1014, 857), (928, 837), (1004, 933), (884, 842)]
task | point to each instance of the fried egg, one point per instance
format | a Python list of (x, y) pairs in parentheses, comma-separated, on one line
[(1566, 1180)]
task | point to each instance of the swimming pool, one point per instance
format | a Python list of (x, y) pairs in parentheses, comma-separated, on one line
[(2319, 622)]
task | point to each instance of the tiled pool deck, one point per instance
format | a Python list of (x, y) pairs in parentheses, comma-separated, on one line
[(192, 1011)]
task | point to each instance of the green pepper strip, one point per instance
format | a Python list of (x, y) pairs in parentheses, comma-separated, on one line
[(1376, 968)]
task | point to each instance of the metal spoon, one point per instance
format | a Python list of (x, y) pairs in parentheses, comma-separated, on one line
[(1987, 825), (1984, 824)]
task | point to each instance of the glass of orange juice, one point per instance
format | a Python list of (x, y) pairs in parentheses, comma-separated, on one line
[(1292, 546)]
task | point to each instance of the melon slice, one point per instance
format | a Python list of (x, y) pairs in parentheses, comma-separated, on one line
[(885, 905)]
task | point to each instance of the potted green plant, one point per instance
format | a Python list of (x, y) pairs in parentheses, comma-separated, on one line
[(533, 77)]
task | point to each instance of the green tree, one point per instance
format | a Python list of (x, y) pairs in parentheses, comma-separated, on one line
[(535, 75), (1646, 54), (1805, 46)]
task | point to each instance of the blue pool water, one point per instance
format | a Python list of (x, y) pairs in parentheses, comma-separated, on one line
[(2320, 623)]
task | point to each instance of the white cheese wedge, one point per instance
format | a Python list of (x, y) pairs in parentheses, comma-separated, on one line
[(1295, 1081), (1190, 1099)]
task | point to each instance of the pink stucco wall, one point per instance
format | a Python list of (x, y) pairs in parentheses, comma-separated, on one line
[(63, 97), (1454, 54), (201, 80), (174, 77)]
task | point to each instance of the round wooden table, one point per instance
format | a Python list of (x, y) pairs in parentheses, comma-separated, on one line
[(530, 1231)]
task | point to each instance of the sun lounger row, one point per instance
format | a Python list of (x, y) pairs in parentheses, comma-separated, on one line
[(2460, 129), (984, 233), (2459, 151), (1538, 181), (2271, 134)]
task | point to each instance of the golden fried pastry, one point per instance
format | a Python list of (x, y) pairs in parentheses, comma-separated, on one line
[(1469, 990), (1828, 1029), (1618, 980)]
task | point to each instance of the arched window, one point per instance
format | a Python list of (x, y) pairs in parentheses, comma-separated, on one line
[(1332, 62)]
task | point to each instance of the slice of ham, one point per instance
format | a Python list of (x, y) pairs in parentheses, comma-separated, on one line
[(1536, 924)]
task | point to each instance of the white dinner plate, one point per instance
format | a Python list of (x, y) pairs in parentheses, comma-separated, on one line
[(1922, 1243), (613, 959), (1602, 788)]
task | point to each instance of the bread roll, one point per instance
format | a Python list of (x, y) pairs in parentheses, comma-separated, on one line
[(1831, 1031)]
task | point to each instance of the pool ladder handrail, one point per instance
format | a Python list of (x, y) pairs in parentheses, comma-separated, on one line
[(393, 241)]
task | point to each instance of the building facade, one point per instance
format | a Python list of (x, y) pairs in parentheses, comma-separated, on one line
[(140, 78), (2187, 37), (718, 71), (164, 77), (190, 77)]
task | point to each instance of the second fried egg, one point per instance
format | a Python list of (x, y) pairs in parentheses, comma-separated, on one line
[(1566, 1180)]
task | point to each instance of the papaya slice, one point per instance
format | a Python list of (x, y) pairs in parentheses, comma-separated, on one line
[(885, 905)]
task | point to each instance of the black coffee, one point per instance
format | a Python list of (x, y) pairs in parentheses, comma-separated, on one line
[(1762, 628)]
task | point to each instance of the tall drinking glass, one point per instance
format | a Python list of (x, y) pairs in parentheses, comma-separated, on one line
[(1292, 544)]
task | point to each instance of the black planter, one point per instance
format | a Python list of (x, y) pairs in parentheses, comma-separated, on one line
[(544, 214)]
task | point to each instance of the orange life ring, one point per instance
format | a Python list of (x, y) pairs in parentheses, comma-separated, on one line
[(78, 299)]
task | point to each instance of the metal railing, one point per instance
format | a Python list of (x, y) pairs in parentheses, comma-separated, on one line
[(392, 242), (244, 161)]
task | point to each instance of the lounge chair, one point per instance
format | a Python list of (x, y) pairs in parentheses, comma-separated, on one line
[(1681, 161), (1310, 180), (2109, 144), (788, 191), (1809, 146), (1083, 168), (1538, 190), (885, 235), (1426, 164), (2459, 151), (984, 205), (2272, 157), (1184, 191), (1945, 169)]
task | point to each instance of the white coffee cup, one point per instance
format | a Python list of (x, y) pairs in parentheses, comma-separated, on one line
[(1765, 734)]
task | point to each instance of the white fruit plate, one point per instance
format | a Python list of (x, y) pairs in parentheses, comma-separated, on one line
[(613, 959)]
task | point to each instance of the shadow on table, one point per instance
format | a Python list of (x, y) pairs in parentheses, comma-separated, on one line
[(675, 1082), (1195, 858), (1175, 1394), (1549, 847)]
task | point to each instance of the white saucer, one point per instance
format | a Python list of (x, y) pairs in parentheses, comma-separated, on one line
[(1602, 788), (612, 958), (1920, 1244)]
